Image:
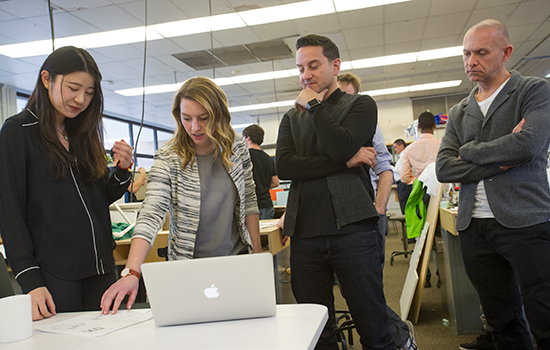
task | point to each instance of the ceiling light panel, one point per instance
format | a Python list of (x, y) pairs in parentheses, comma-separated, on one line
[(348, 5), (287, 12)]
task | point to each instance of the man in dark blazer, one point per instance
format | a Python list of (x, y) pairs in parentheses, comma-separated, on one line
[(495, 145)]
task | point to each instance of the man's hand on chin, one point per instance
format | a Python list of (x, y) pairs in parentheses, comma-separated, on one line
[(307, 95)]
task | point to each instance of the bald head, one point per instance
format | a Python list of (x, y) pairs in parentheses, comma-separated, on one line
[(485, 52), (499, 31)]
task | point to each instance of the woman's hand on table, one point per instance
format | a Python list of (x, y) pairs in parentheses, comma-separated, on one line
[(117, 291), (42, 303)]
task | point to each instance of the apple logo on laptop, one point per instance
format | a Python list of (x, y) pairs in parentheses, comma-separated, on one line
[(211, 292)]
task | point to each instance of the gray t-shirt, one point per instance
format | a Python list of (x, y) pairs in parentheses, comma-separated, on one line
[(218, 234)]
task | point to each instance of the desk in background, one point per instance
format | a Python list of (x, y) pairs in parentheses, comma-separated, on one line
[(458, 294), (296, 327), (270, 237)]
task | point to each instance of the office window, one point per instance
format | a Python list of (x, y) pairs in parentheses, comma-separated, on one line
[(146, 140), (163, 137), (143, 162), (115, 130), (21, 103)]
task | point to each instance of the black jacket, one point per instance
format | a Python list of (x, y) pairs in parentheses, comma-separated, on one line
[(61, 226)]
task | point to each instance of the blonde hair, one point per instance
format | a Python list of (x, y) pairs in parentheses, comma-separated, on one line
[(218, 129), (352, 79)]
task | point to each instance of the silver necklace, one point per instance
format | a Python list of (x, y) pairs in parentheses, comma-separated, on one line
[(65, 137)]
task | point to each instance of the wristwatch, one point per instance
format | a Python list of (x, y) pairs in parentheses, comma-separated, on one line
[(128, 271), (313, 103)]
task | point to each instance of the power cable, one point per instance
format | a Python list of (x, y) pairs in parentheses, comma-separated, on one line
[(142, 105), (50, 11)]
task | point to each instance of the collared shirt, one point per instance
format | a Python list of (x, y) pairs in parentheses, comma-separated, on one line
[(383, 157), (419, 154)]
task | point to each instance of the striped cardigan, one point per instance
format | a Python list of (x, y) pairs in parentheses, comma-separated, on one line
[(176, 189)]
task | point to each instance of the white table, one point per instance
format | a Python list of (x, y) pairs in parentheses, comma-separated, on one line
[(295, 327)]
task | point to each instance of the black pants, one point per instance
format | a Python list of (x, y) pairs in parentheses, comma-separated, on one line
[(79, 295), (510, 269), (403, 193)]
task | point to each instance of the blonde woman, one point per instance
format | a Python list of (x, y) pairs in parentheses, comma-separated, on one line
[(203, 176)]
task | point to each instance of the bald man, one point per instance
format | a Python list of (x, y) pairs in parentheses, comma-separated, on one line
[(495, 145)]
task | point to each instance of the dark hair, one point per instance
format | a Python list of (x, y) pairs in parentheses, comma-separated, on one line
[(85, 132), (330, 50), (255, 132), (352, 79), (400, 142), (426, 121)]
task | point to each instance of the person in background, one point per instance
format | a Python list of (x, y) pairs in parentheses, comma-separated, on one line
[(265, 176), (495, 145), (330, 213), (403, 190), (136, 185), (382, 179), (422, 151), (203, 176), (55, 188)]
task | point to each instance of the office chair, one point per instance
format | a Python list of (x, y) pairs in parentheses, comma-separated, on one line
[(6, 288)]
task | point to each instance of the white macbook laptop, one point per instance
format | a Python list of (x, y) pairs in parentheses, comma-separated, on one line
[(210, 289)]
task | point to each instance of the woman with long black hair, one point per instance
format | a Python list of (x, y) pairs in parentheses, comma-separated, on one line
[(55, 188)]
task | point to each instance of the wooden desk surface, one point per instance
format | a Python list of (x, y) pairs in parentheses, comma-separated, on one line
[(270, 236), (448, 219)]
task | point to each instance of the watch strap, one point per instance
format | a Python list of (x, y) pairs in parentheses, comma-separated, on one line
[(128, 271), (313, 103)]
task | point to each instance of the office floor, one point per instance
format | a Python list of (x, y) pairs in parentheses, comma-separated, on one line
[(431, 333)]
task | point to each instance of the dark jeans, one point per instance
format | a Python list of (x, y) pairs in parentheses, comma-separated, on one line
[(267, 213), (506, 266), (403, 193), (357, 259), (79, 295)]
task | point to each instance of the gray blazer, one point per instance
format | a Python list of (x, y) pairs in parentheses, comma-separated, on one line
[(519, 197)]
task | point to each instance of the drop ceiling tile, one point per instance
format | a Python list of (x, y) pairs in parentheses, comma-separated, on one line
[(367, 52), (75, 5), (501, 13), (446, 25), (65, 24), (400, 32), (108, 18), (521, 33), (237, 36), (5, 16), (30, 8), (120, 52), (444, 41), (364, 37), (159, 47), (153, 67), (162, 11), (410, 46), (445, 7), (529, 12), (175, 64), (276, 30), (494, 3), (195, 42), (361, 18), (243, 5), (118, 70), (407, 11), (318, 24), (24, 31)]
